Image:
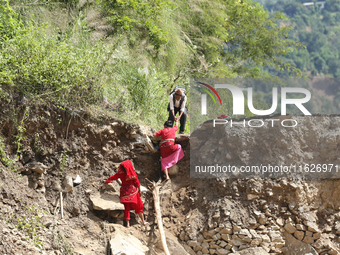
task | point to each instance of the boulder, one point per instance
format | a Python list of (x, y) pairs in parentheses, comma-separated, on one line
[(105, 201), (294, 246), (125, 244), (174, 247)]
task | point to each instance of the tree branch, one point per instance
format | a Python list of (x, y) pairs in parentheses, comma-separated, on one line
[(154, 189)]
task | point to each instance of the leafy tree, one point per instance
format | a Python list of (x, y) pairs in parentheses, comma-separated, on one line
[(319, 62), (332, 5), (334, 66), (337, 16), (316, 41), (301, 59), (293, 8), (300, 23), (139, 16), (257, 37), (328, 18), (316, 28), (223, 37), (10, 25)]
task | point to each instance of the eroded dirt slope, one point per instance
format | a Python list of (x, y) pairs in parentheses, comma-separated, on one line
[(207, 216)]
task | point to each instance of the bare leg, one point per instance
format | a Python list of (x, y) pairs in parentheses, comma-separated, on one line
[(127, 223), (141, 216), (166, 174)]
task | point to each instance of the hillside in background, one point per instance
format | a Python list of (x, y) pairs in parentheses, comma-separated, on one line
[(317, 26), (122, 58)]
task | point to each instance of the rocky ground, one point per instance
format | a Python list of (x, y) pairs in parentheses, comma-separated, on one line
[(200, 216)]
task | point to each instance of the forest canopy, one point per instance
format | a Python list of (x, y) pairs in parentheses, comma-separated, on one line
[(317, 27)]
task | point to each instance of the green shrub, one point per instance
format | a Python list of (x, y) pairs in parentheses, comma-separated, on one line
[(10, 25)]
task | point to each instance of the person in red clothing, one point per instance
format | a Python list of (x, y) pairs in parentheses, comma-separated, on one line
[(129, 191), (171, 153)]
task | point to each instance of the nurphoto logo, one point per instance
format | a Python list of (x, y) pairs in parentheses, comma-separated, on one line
[(263, 128), (238, 100)]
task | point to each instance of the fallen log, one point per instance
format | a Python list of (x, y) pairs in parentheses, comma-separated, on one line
[(154, 189)]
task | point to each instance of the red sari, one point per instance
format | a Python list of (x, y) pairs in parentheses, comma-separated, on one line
[(129, 195)]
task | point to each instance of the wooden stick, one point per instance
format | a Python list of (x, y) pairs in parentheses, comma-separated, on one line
[(61, 205), (155, 192)]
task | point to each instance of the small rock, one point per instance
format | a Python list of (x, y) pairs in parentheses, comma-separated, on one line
[(280, 245), (301, 227), (299, 235), (36, 167), (308, 233), (312, 227), (289, 228), (68, 183), (317, 235), (280, 222), (77, 180), (226, 237), (262, 220), (236, 228), (222, 252), (56, 186), (182, 235), (252, 196), (226, 231), (308, 239), (193, 243)]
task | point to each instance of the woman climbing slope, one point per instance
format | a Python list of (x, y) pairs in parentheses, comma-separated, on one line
[(171, 153), (129, 191)]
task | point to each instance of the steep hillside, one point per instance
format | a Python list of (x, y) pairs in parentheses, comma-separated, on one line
[(58, 146), (200, 216)]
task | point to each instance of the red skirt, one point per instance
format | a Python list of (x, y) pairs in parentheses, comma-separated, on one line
[(129, 196), (168, 148), (173, 158)]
